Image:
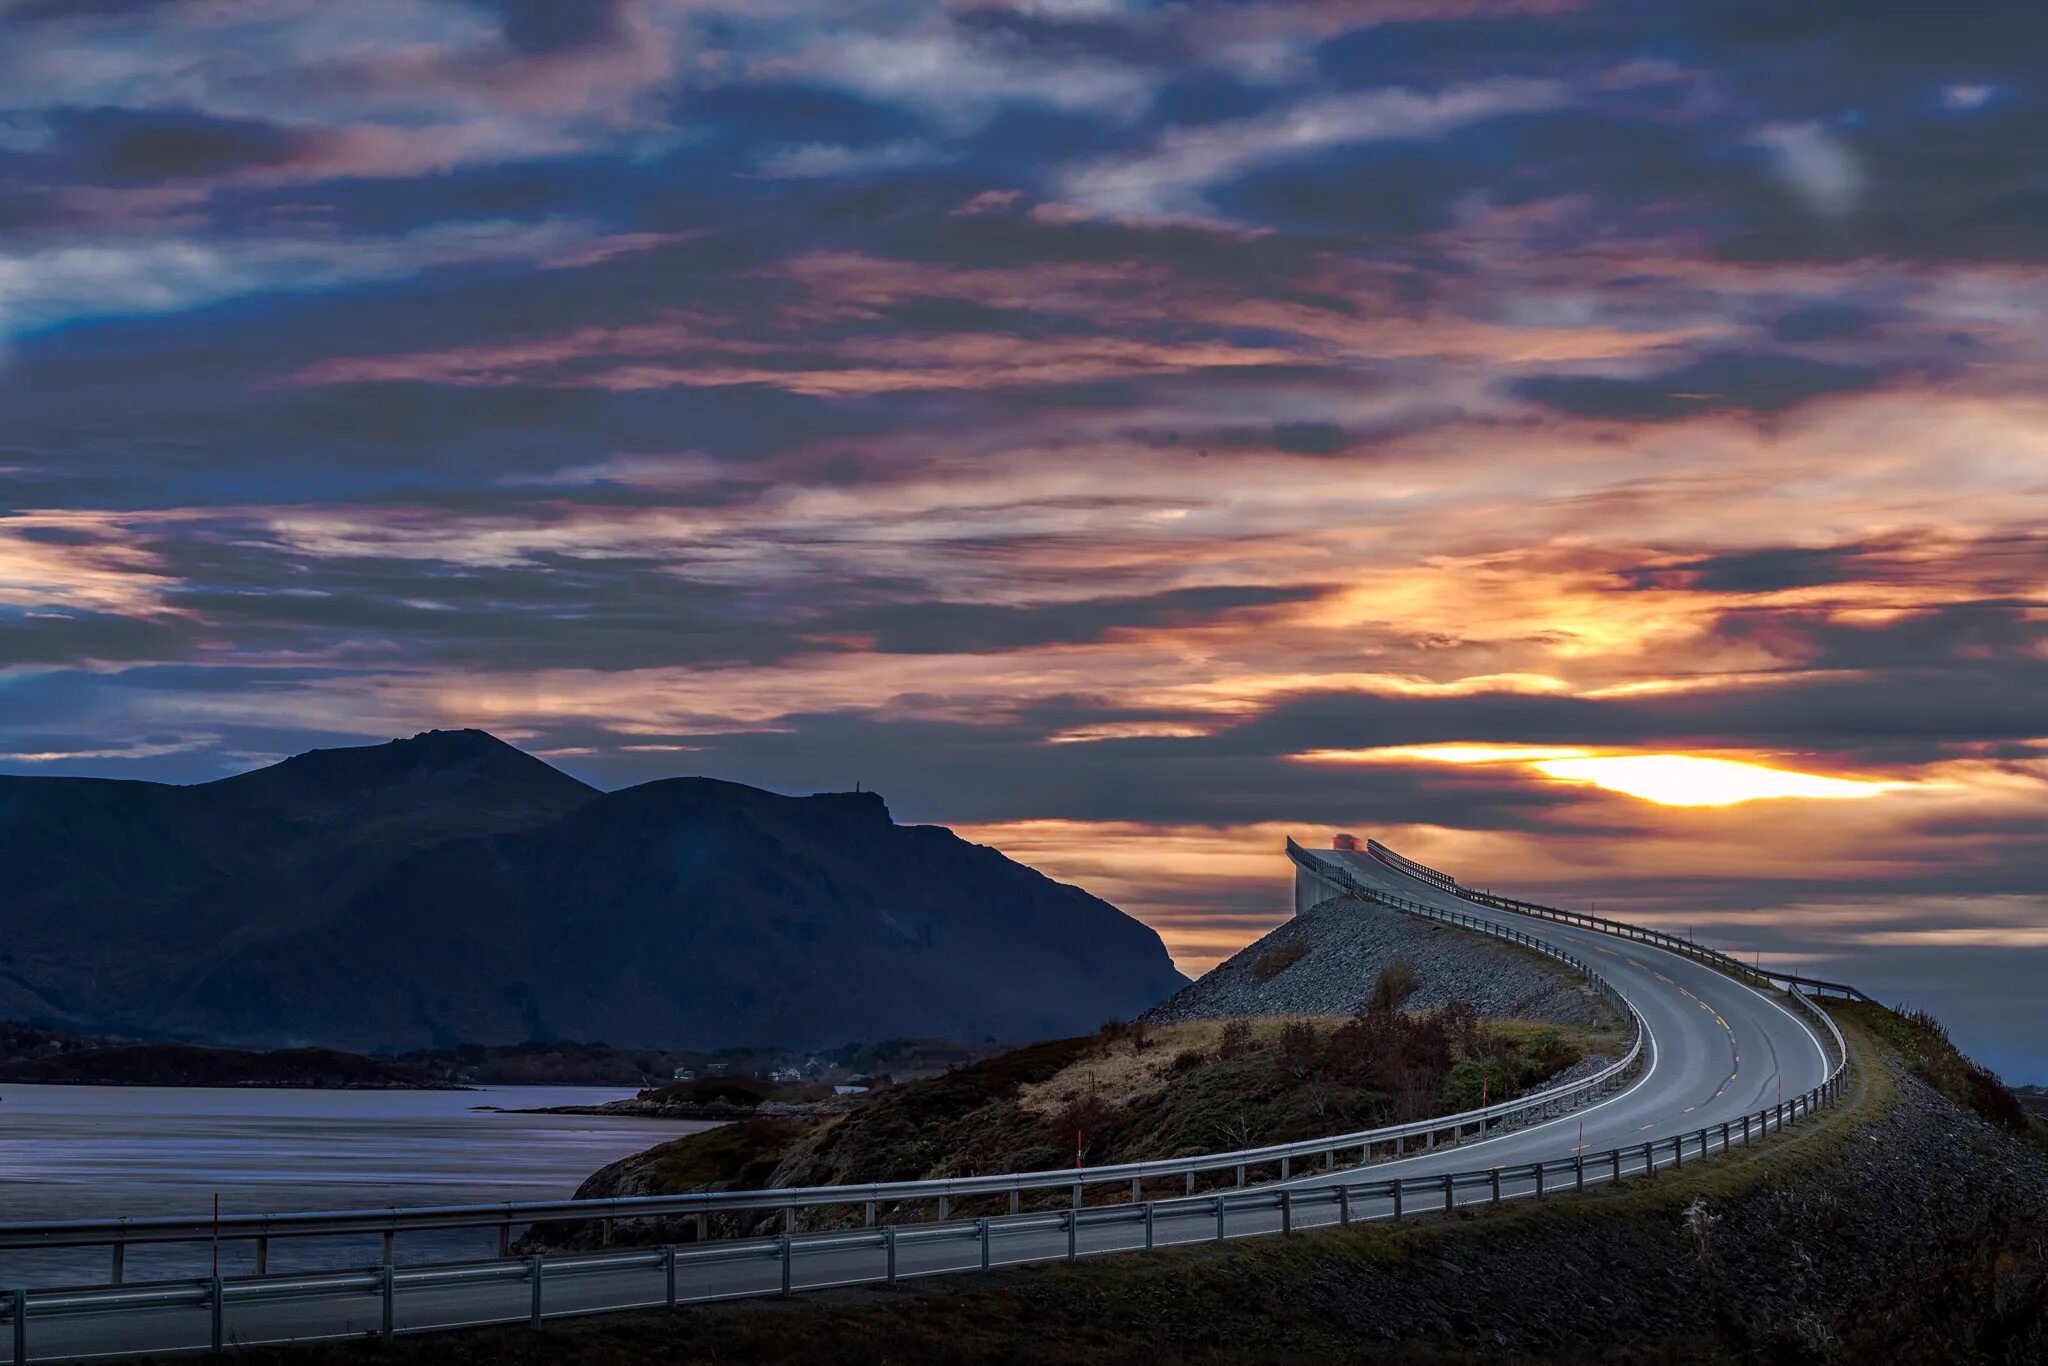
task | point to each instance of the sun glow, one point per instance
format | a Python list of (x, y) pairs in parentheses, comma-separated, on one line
[(1667, 779), (1690, 780)]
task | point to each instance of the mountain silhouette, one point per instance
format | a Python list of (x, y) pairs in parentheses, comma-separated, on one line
[(452, 889)]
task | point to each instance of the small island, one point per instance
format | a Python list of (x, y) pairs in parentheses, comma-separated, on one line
[(32, 1054)]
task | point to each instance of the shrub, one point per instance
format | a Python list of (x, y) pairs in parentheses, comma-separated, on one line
[(1298, 1048), (1277, 961), (1395, 985), (1187, 1060), (1236, 1040)]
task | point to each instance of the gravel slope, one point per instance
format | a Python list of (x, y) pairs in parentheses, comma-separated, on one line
[(1345, 943)]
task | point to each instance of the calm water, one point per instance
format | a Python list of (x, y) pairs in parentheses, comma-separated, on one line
[(82, 1152)]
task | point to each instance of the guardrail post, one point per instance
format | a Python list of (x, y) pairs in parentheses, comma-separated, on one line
[(1615, 1154), (889, 1251), (389, 1236), (1240, 1173), (1016, 1201), (1724, 1136), (1286, 1168), (1677, 1151), (1344, 1206), (217, 1301), (981, 1236), (1397, 1200), (120, 1261), (1077, 1195), (505, 1239), (1286, 1210), (784, 1250), (1137, 1190), (1148, 1226), (536, 1271), (387, 1292), (1191, 1183), (668, 1273), (1649, 1160), (1495, 1174), (945, 1208), (1539, 1180), (1447, 1192), (1578, 1171), (1073, 1234), (20, 1317), (703, 1227), (1219, 1218)]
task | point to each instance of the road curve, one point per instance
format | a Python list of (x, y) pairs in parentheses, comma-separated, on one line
[(1716, 1050)]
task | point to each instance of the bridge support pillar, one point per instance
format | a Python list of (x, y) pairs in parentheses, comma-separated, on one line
[(1310, 890)]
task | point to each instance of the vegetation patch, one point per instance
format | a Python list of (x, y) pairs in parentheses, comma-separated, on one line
[(1272, 964), (1922, 1043), (1125, 1094)]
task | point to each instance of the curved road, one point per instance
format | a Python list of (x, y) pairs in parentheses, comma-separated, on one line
[(1717, 1049)]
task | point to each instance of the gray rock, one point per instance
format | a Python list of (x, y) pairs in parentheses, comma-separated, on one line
[(1346, 943)]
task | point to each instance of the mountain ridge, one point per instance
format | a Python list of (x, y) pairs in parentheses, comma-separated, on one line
[(453, 889)]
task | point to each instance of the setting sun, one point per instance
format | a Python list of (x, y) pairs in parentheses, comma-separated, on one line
[(1667, 779), (1688, 780)]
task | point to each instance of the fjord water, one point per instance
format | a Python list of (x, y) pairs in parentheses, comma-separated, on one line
[(90, 1152)]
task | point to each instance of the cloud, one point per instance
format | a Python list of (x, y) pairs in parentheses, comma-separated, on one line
[(1818, 166), (1746, 382), (1186, 163)]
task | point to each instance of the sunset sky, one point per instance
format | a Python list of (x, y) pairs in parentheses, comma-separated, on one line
[(1599, 448)]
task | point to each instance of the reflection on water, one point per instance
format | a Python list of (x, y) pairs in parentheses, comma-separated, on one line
[(90, 1152)]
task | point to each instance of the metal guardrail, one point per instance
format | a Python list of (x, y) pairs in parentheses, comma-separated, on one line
[(1350, 1199), (1794, 985), (773, 1263), (1394, 1140), (1641, 934)]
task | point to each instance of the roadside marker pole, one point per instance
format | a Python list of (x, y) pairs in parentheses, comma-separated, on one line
[(217, 1299), (21, 1328)]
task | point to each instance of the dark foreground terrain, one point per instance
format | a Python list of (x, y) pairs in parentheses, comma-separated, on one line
[(1908, 1227)]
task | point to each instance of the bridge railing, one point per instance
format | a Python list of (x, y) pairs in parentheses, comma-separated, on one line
[(203, 1313), (750, 1266), (789, 1203), (1677, 943)]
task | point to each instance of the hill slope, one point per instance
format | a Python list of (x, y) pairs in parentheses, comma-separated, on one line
[(1329, 959), (452, 889)]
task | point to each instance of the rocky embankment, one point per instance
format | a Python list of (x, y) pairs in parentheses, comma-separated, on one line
[(1328, 960)]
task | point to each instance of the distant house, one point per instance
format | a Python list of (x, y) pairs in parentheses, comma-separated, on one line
[(785, 1074), (684, 1074)]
